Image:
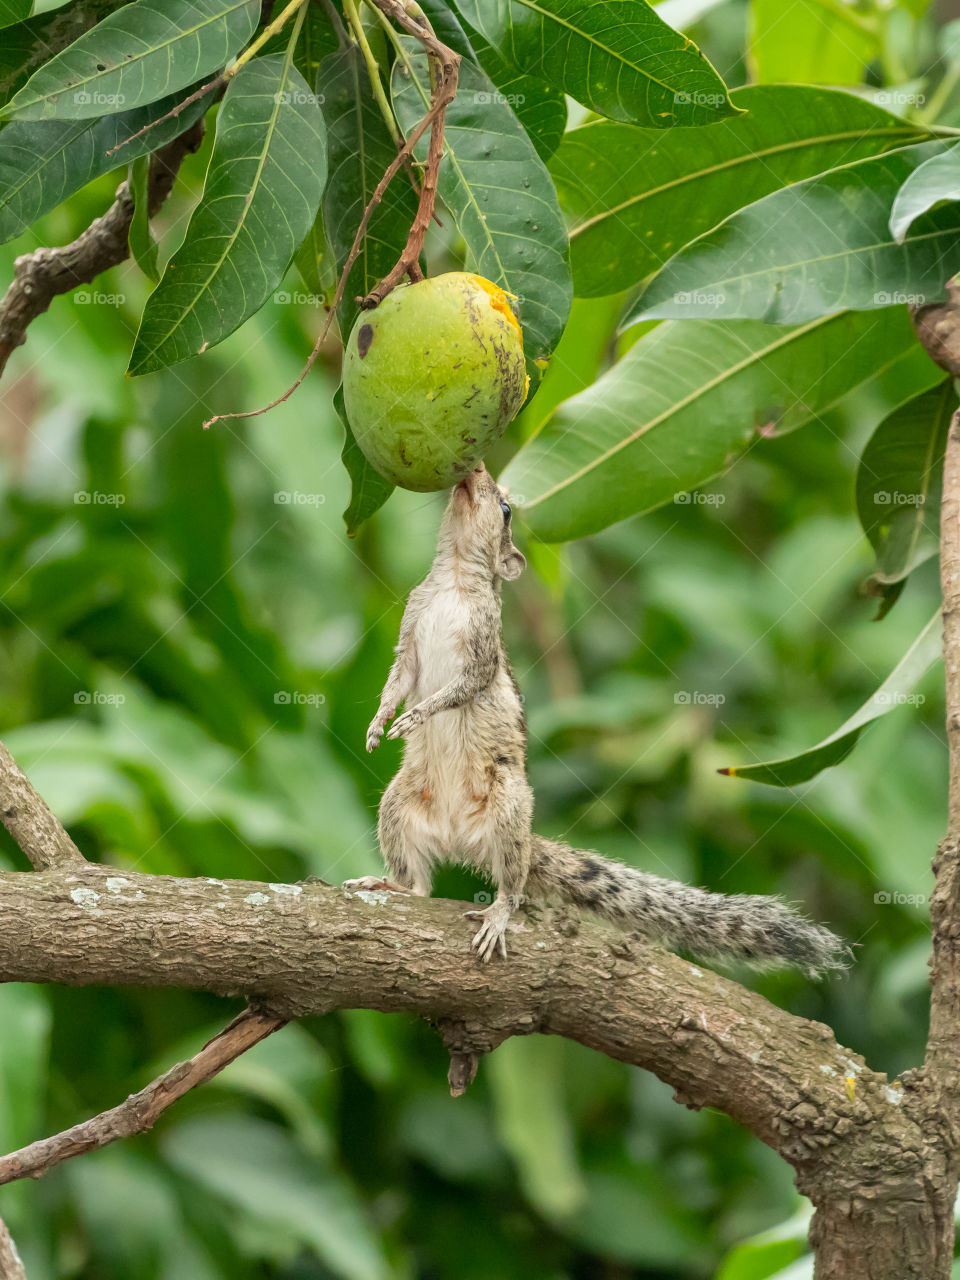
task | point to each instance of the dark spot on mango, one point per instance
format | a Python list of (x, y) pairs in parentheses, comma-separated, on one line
[(364, 338)]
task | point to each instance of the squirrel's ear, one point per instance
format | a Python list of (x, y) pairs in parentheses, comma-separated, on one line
[(512, 564)]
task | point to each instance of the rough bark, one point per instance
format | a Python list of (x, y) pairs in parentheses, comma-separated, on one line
[(11, 1268), (29, 820)]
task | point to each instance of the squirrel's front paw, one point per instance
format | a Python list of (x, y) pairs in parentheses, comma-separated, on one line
[(403, 724), (374, 734)]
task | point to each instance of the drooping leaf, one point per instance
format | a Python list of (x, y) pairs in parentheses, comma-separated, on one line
[(811, 249), (140, 53), (501, 195), (615, 56), (541, 108), (685, 400), (895, 691), (260, 198), (898, 487), (142, 244), (637, 195), (368, 488), (42, 162), (810, 42), (936, 179), (360, 151), (314, 263)]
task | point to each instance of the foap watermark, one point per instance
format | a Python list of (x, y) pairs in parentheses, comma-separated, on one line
[(884, 299), (298, 698), (483, 99), (894, 698), (699, 298), (897, 98), (94, 498), (696, 498), (284, 296), (894, 498), (86, 298), (894, 898), (294, 498), (696, 698), (699, 99), (86, 98), (298, 98), (97, 698)]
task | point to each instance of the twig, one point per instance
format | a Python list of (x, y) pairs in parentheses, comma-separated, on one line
[(38, 277), (11, 1267), (30, 821), (140, 1111), (218, 82), (409, 260)]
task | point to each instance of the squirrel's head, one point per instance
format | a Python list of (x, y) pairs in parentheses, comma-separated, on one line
[(478, 520)]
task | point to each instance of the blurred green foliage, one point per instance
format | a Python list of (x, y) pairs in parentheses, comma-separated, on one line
[(190, 651)]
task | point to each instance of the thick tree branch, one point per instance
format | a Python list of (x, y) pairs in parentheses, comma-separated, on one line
[(11, 1268), (139, 1112), (309, 949), (43, 274), (25, 814)]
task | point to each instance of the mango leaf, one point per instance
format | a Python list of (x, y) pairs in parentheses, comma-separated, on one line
[(360, 151), (14, 11), (636, 195), (685, 400), (615, 56), (258, 1169), (42, 162), (368, 488), (136, 55), (898, 488), (502, 198), (810, 42), (259, 201), (541, 108), (895, 691), (142, 244), (27, 45), (811, 249), (936, 179)]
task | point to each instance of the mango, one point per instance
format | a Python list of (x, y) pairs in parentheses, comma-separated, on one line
[(432, 377)]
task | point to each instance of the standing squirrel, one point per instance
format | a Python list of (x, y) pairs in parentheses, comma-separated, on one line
[(462, 791)]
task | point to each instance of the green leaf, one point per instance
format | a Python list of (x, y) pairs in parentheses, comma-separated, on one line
[(895, 691), (142, 52), (501, 196), (42, 162), (684, 401), (314, 262), (812, 249), (259, 201), (525, 1079), (541, 108), (810, 42), (14, 11), (615, 56), (29, 44), (637, 195), (360, 151), (142, 244), (936, 179), (259, 1170), (898, 487), (368, 488)]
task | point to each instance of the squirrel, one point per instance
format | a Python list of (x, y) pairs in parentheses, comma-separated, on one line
[(462, 791)]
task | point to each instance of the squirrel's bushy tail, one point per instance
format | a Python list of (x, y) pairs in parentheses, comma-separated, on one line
[(763, 931)]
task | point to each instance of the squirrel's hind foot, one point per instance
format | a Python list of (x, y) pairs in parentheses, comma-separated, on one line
[(490, 939), (369, 883)]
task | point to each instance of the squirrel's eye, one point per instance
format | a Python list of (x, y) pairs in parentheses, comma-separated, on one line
[(505, 508)]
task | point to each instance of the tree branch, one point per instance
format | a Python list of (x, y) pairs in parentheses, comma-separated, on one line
[(11, 1268), (140, 1111), (27, 817), (305, 949), (38, 277)]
